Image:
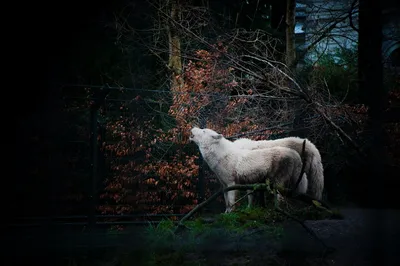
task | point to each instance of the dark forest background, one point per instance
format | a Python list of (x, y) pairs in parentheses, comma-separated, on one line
[(77, 43)]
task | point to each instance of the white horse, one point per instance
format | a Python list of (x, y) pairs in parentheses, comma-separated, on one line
[(233, 165)]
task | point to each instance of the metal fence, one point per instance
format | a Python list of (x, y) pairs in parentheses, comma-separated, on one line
[(119, 158), (107, 168)]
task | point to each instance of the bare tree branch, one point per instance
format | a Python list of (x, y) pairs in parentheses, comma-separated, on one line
[(351, 12)]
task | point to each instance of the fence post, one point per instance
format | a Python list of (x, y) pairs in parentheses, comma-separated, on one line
[(201, 180), (94, 163)]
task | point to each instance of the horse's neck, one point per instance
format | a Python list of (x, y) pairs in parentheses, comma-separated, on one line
[(210, 153), (213, 155), (218, 157)]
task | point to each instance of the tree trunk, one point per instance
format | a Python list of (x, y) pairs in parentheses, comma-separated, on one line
[(174, 42), (290, 37), (298, 123)]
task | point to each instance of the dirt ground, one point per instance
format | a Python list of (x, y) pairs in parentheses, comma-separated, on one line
[(363, 237)]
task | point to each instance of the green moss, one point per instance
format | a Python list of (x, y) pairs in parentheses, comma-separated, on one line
[(159, 237), (197, 226), (228, 220)]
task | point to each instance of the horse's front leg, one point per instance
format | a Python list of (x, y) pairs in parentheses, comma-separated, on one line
[(231, 199), (226, 201), (226, 198)]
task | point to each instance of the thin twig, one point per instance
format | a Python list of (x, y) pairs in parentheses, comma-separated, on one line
[(258, 131), (339, 130), (242, 197)]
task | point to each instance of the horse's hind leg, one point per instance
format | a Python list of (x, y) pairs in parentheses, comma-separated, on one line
[(250, 198)]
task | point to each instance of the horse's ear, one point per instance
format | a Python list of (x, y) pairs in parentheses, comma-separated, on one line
[(218, 136)]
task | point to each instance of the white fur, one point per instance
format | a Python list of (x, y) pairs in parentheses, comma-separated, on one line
[(313, 165), (233, 165)]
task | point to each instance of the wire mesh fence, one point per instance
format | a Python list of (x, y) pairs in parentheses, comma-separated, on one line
[(124, 155), (117, 165)]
